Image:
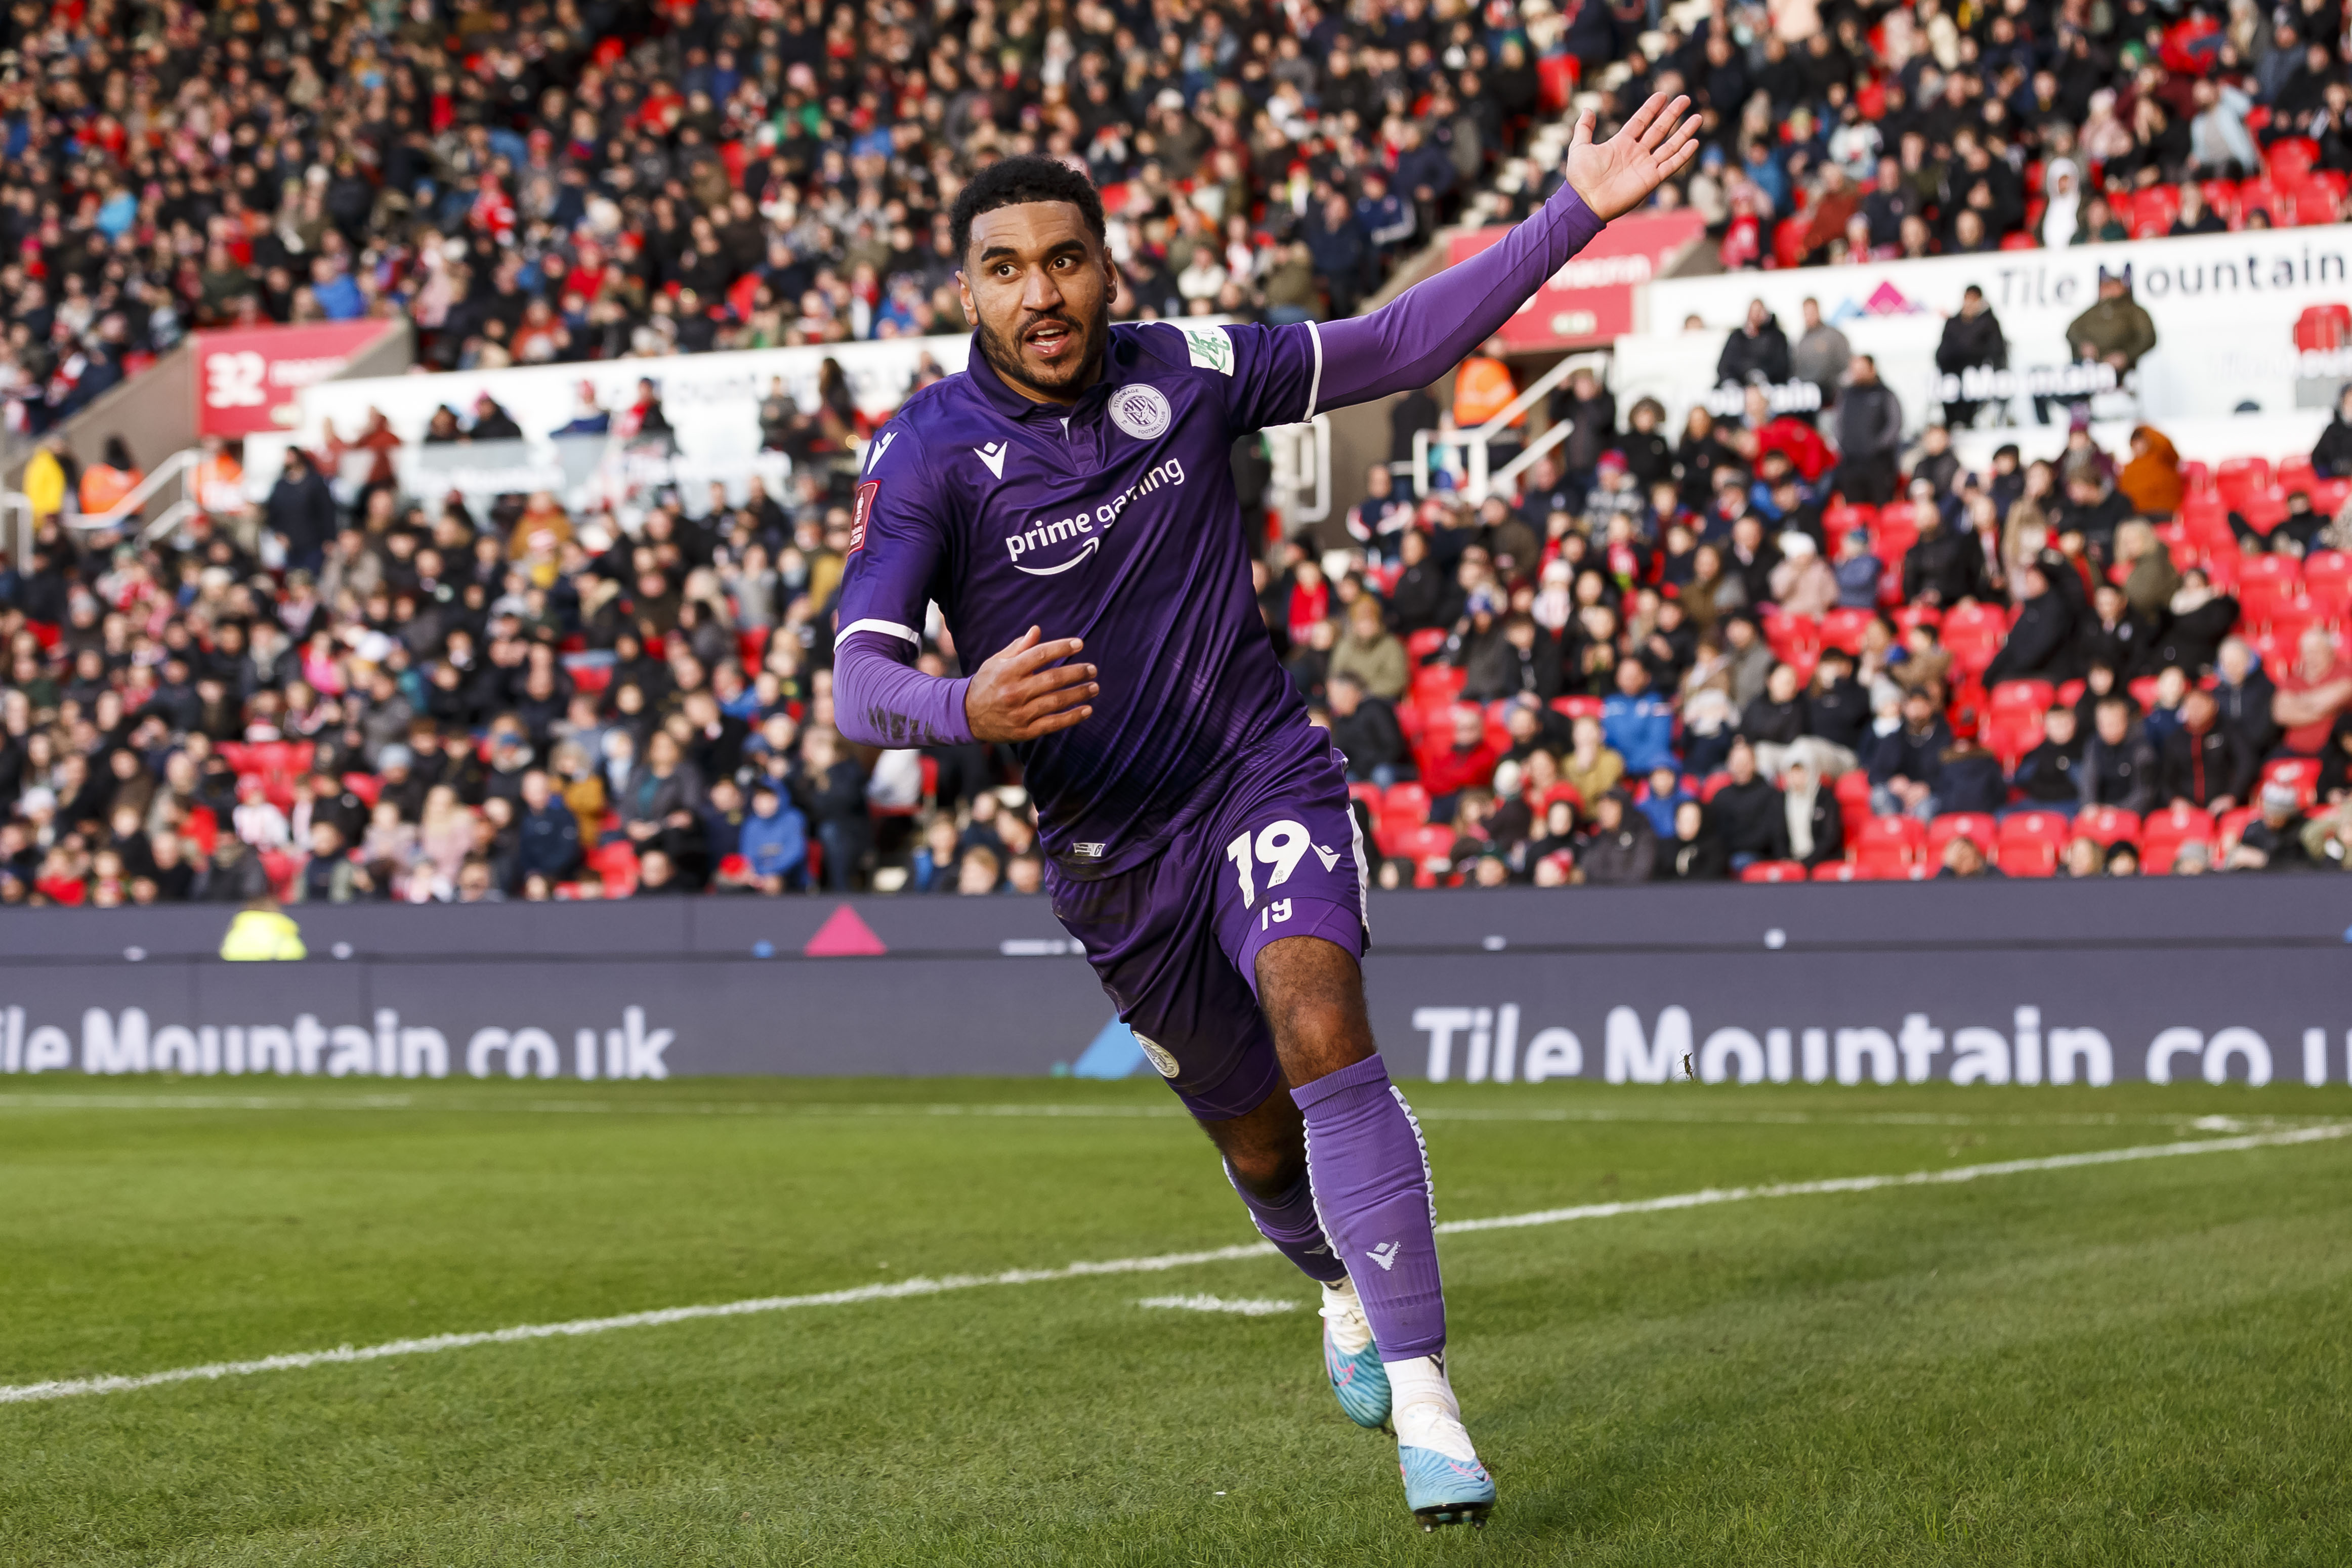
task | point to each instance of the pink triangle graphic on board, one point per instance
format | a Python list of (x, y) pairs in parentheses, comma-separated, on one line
[(844, 936)]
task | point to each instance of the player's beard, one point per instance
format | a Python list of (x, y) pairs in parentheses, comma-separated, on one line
[(1004, 357)]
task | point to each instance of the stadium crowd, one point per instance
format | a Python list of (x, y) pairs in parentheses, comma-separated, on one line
[(551, 183), (1726, 650), (1687, 658)]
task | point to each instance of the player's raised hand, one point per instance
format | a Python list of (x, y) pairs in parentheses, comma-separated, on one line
[(1026, 691), (1617, 175)]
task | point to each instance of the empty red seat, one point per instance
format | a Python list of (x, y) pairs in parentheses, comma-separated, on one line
[(2289, 158), (1404, 805), (1842, 628), (2028, 858), (1974, 633), (1425, 642), (2024, 697), (2295, 474), (1841, 871), (2239, 478), (1435, 684), (1895, 843), (1774, 871), (2328, 580), (1574, 708), (2109, 825), (1429, 846)]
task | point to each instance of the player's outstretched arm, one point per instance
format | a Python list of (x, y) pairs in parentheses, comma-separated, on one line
[(1026, 691), (1426, 330)]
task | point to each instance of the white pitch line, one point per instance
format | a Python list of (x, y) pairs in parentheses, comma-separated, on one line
[(69, 1388), (1242, 1306)]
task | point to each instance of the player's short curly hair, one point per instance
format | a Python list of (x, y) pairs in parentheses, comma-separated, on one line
[(1010, 181)]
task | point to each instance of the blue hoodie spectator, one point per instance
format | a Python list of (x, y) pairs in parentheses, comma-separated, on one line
[(1639, 724), (774, 837)]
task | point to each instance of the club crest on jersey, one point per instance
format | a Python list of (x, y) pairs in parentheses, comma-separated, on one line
[(1142, 410), (860, 512), (1157, 1055)]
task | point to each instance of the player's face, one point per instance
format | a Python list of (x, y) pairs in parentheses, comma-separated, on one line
[(1041, 290)]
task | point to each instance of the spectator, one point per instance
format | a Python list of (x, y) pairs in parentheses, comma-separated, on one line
[(1815, 827), (1757, 351), (1821, 354), (1639, 725), (1858, 570), (1591, 768), (1963, 861), (2119, 766), (549, 834), (1749, 813), (1870, 433), (2195, 624), (774, 840), (2311, 692), (1618, 850), (2115, 329), (300, 512), (2204, 763), (2332, 457), (1467, 763), (1907, 763), (1972, 340), (1943, 569), (1694, 852), (1803, 583), (2272, 841), (1364, 728), (1381, 518), (2042, 644), (2151, 481)]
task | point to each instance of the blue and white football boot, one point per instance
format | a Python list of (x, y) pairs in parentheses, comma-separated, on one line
[(1357, 1378), (1444, 1481)]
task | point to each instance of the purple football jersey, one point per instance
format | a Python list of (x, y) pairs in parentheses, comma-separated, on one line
[(1114, 520)]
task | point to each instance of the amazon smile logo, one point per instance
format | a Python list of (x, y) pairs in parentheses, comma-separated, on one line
[(1041, 534)]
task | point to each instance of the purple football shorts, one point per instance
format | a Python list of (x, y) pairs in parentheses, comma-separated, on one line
[(1175, 941)]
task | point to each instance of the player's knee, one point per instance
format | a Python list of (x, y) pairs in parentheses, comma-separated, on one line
[(1269, 1172)]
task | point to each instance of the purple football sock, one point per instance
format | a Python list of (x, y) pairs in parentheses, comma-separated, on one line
[(1289, 1222), (1370, 1172)]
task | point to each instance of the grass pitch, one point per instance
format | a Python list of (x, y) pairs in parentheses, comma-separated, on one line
[(2122, 1363)]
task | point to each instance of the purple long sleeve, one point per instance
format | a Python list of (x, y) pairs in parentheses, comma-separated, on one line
[(1426, 330), (879, 701)]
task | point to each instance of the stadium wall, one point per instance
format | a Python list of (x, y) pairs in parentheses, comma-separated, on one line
[(2217, 979)]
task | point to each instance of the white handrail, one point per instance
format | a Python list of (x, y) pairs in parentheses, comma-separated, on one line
[(173, 469), (1475, 443), (1291, 474)]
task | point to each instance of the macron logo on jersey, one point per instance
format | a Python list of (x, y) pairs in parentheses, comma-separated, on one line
[(881, 444), (993, 455)]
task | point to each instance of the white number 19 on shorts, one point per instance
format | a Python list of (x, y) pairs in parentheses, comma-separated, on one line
[(1281, 845)]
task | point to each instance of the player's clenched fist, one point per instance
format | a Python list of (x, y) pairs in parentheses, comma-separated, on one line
[(1026, 691)]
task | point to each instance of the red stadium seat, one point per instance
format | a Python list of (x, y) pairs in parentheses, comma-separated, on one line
[(1891, 844), (2321, 327), (2109, 825), (2300, 773), (615, 865), (2241, 478), (1854, 801), (2024, 697), (1975, 826), (1425, 642), (1404, 805), (1574, 708), (1842, 628), (1774, 871), (2328, 580), (1433, 686), (2163, 832), (1715, 784), (1974, 633), (2232, 825), (1841, 871), (2290, 158)]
